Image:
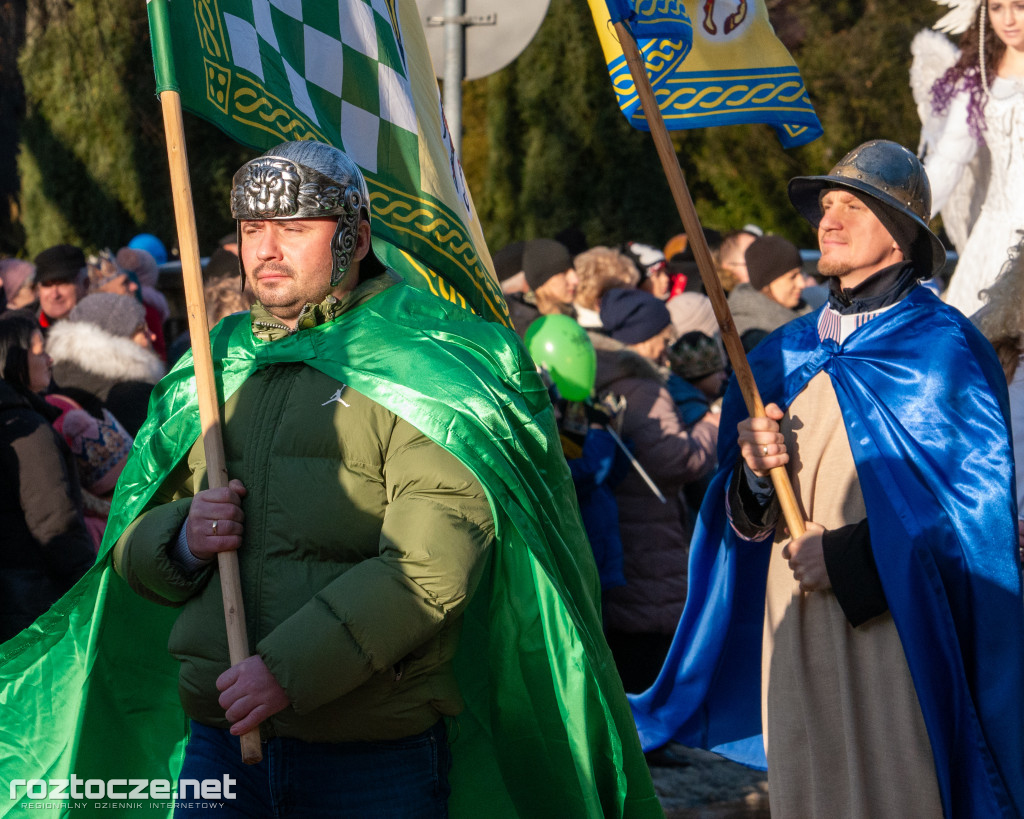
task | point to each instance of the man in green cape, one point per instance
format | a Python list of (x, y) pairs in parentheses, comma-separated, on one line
[(452, 430)]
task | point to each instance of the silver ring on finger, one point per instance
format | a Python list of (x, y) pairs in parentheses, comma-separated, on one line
[(764, 450), (213, 526)]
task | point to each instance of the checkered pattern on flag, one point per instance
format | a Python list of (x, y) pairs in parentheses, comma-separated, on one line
[(352, 73), (735, 70)]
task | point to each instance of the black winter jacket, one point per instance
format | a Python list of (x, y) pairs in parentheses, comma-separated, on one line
[(44, 545)]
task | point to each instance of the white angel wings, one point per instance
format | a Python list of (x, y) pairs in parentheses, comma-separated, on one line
[(933, 53), (959, 18)]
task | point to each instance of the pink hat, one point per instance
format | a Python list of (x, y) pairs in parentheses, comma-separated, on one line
[(692, 311), (141, 263), (14, 273), (101, 446)]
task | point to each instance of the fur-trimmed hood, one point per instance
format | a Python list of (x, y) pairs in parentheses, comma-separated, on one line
[(616, 361), (89, 348)]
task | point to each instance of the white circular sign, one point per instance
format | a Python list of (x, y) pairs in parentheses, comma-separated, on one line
[(499, 32)]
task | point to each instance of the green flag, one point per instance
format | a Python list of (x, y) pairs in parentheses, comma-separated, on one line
[(355, 74)]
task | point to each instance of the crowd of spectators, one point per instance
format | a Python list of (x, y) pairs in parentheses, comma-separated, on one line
[(84, 338), (660, 374), (82, 344)]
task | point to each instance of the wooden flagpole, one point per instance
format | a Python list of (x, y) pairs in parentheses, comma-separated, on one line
[(209, 408), (702, 254)]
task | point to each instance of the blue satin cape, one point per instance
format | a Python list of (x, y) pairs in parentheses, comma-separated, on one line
[(924, 402)]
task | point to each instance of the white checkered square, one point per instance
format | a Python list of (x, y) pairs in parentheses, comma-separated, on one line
[(396, 104), (300, 95), (264, 22), (359, 131), (245, 45), (324, 61), (358, 29), (293, 8), (381, 8)]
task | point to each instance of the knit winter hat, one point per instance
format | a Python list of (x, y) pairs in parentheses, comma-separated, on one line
[(101, 447), (141, 263), (14, 273), (60, 263), (117, 314), (692, 311), (103, 269), (221, 264), (633, 316), (644, 256), (696, 355), (508, 261), (544, 258), (151, 244), (769, 257)]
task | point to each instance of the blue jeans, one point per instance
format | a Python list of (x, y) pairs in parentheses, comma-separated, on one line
[(395, 778)]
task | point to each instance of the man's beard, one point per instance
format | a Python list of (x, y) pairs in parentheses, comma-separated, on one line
[(833, 268), (270, 296), (289, 296)]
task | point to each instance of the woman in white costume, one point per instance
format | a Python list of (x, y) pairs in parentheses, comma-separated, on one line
[(977, 115)]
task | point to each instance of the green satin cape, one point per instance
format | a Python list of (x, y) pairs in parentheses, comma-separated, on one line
[(91, 689)]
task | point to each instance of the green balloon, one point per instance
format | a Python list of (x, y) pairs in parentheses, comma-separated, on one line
[(559, 345)]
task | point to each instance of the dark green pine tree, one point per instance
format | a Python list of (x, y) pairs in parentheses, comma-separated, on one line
[(12, 107), (854, 56), (559, 152), (92, 160), (545, 145)]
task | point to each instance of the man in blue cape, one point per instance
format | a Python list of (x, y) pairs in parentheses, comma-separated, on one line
[(877, 659)]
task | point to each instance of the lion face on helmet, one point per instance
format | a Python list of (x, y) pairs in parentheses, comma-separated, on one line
[(268, 190)]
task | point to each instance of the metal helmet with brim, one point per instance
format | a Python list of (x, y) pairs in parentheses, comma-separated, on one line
[(886, 172)]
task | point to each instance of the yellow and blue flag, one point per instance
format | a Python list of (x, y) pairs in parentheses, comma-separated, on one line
[(731, 69), (652, 19)]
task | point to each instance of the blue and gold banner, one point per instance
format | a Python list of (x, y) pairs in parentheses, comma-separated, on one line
[(735, 71), (652, 19)]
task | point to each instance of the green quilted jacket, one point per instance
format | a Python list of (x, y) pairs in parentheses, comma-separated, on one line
[(363, 543)]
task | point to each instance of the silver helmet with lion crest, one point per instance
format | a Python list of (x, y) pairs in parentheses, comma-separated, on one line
[(305, 180)]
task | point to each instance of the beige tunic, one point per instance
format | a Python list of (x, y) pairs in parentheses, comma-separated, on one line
[(843, 728)]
